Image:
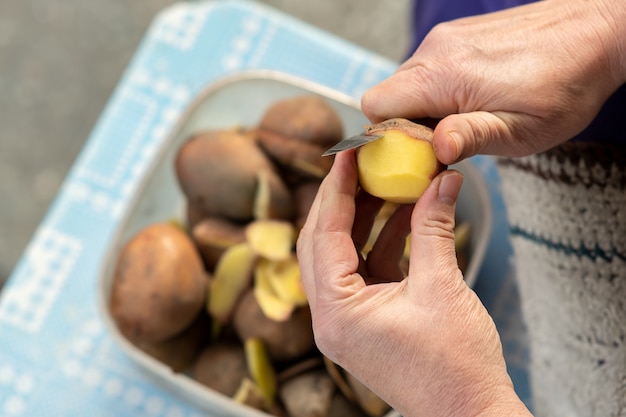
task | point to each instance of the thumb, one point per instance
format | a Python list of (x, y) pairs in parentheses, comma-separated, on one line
[(432, 254), (459, 136)]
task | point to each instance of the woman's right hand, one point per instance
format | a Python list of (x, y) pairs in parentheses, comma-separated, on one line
[(511, 83)]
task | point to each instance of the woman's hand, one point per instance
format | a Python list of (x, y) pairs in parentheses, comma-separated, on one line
[(425, 343), (510, 83)]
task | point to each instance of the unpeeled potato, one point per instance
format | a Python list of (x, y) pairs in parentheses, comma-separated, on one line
[(218, 172), (306, 118), (221, 366), (214, 235), (304, 195), (308, 394), (296, 131), (285, 340), (181, 350), (159, 285)]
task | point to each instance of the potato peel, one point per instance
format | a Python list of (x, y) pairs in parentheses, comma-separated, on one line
[(261, 369), (271, 239), (263, 196), (284, 279), (233, 275), (273, 306), (250, 394)]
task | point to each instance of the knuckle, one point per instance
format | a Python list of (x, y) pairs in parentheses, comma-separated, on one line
[(443, 30), (438, 225)]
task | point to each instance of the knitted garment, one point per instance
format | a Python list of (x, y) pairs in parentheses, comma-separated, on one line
[(567, 213)]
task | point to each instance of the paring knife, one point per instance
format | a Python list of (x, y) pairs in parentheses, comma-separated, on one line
[(351, 143)]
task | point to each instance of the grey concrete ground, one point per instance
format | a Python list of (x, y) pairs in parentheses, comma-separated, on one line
[(61, 59)]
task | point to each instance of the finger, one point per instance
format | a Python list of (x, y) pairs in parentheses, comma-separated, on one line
[(414, 93), (304, 245), (432, 252), (383, 261), (336, 260), (459, 136), (411, 93)]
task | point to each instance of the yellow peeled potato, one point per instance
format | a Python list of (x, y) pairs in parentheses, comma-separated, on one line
[(399, 166)]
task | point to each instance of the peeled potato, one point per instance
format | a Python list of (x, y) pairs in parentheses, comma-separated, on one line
[(399, 166)]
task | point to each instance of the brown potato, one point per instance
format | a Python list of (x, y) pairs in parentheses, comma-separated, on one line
[(306, 118), (285, 340), (308, 394), (218, 173), (222, 367), (308, 364), (193, 215), (296, 131), (159, 286), (340, 406), (367, 399), (300, 160), (304, 195), (213, 235), (180, 351)]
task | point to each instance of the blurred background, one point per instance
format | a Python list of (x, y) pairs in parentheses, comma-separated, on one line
[(60, 61)]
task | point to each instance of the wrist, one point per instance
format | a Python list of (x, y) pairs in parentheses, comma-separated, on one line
[(502, 401), (509, 407), (475, 400), (608, 20)]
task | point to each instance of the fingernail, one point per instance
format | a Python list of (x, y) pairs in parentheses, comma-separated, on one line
[(449, 187)]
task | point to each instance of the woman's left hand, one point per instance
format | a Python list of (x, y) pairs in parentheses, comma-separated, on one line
[(424, 343)]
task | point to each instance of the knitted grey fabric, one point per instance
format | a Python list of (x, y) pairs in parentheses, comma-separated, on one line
[(567, 213)]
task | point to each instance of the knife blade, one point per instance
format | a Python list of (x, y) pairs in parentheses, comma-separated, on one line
[(351, 143)]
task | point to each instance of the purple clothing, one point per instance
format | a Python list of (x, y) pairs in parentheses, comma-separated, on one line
[(427, 13), (606, 127)]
